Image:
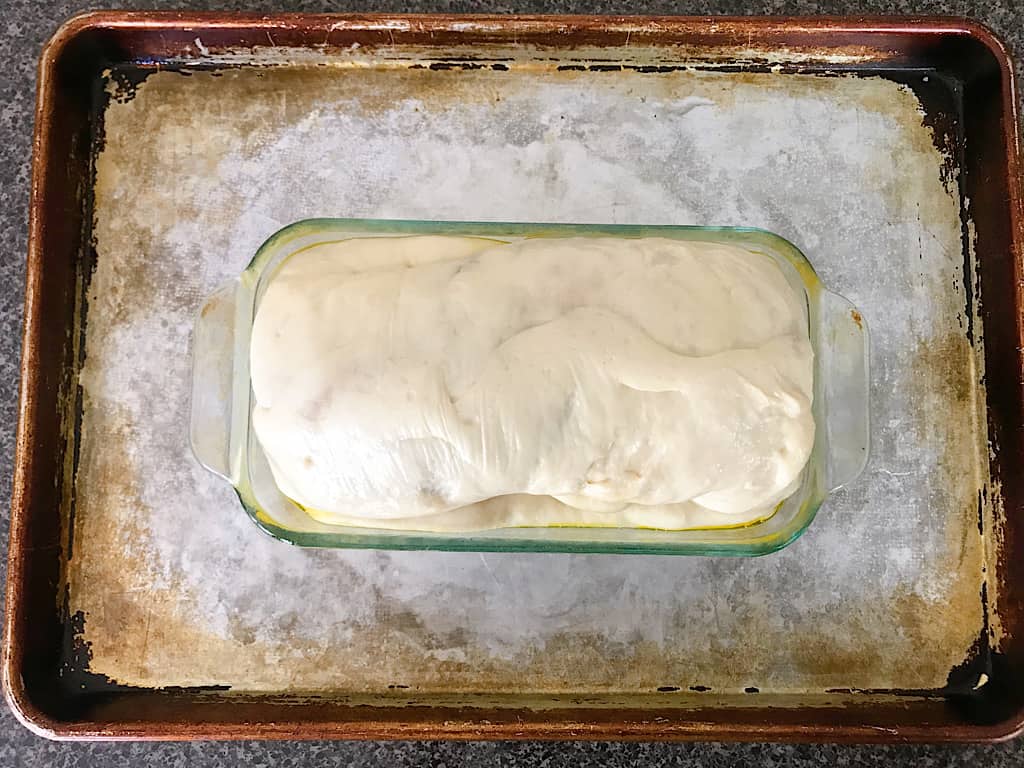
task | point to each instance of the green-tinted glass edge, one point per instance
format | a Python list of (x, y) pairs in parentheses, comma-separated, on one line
[(250, 281)]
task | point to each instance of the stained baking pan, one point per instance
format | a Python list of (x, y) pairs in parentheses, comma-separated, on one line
[(142, 604)]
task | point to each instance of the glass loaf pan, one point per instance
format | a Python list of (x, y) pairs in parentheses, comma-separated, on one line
[(222, 402)]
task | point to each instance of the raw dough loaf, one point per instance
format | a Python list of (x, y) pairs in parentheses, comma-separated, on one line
[(449, 382)]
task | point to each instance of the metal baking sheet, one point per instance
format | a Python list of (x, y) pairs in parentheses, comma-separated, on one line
[(196, 171), (196, 162)]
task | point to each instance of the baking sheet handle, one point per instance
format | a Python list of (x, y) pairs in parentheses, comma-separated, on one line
[(845, 349), (213, 344)]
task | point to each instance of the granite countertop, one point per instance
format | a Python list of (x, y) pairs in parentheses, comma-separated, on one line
[(26, 24)]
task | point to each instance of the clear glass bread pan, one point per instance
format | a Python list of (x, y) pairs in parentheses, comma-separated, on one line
[(222, 402)]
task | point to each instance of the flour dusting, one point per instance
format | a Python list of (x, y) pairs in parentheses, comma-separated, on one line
[(179, 588)]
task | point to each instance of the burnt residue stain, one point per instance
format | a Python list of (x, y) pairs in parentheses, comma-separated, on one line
[(992, 699), (986, 629), (970, 297), (941, 98), (915, 693), (476, 59), (441, 66), (982, 689), (76, 679), (956, 175), (72, 394), (963, 678), (465, 63), (649, 69), (857, 318), (659, 69), (125, 82), (74, 676), (77, 650), (196, 689)]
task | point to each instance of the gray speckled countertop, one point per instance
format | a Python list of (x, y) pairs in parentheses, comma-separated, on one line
[(24, 26)]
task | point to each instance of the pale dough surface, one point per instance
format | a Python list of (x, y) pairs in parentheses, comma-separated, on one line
[(442, 383)]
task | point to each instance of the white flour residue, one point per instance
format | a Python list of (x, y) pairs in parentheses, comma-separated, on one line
[(198, 171)]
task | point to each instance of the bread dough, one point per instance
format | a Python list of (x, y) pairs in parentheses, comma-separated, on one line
[(447, 383)]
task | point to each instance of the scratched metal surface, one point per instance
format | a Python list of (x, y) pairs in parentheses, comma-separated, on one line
[(177, 587)]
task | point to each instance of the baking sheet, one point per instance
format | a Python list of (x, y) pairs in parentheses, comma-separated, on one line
[(177, 587)]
